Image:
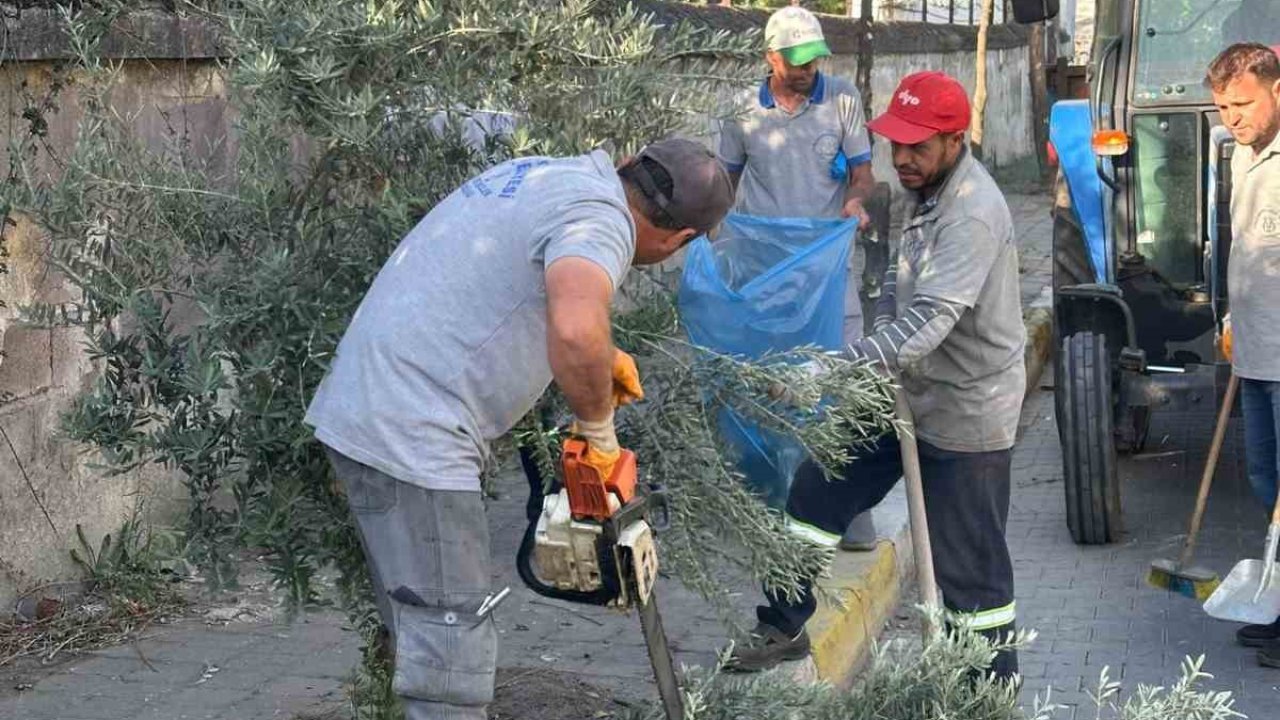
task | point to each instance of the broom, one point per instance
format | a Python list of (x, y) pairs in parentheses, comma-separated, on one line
[(1178, 576)]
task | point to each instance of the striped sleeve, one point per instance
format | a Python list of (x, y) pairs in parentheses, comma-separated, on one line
[(904, 341)]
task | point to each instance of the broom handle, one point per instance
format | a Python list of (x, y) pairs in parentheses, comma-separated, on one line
[(1210, 465), (916, 511)]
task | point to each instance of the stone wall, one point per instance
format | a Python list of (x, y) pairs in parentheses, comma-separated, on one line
[(171, 87)]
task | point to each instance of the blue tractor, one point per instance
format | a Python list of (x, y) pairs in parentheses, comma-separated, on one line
[(1141, 235)]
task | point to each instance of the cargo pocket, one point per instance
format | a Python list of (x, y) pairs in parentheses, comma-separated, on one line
[(444, 655)]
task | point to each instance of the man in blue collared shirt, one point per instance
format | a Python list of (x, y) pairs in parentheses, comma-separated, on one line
[(802, 150)]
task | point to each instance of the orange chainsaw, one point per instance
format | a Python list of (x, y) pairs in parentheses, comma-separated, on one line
[(591, 539)]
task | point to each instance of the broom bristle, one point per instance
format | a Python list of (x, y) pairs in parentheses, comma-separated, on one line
[(1195, 583)]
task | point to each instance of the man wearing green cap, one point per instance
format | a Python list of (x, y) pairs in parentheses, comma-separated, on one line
[(802, 150)]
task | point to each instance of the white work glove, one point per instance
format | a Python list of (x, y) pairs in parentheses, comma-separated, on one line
[(602, 443)]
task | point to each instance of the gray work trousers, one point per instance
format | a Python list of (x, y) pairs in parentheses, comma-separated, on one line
[(428, 554)]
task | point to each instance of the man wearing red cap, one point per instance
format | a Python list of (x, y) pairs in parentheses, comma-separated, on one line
[(949, 325)]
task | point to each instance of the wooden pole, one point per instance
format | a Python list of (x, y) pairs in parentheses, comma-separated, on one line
[(980, 86), (1040, 96), (916, 513)]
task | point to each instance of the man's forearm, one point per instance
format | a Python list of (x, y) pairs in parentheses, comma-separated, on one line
[(581, 363), (861, 183)]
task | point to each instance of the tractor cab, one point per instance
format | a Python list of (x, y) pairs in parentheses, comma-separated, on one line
[(1141, 236)]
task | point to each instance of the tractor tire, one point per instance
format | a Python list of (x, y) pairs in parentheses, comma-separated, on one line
[(1085, 409), (1071, 264)]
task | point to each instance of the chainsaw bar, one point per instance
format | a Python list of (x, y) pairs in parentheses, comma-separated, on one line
[(664, 669)]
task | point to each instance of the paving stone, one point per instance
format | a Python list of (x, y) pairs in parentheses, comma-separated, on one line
[(1140, 632), (1090, 605)]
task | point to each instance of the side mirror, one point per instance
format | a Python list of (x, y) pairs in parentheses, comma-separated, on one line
[(1034, 11)]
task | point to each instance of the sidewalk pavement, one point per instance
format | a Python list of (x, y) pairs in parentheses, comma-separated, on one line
[(249, 669), (1091, 606)]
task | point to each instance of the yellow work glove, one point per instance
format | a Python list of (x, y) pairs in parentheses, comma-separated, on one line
[(602, 443), (1225, 339), (626, 380)]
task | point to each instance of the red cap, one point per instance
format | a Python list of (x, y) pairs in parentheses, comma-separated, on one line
[(925, 104)]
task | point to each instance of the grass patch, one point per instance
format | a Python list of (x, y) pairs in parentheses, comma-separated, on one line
[(128, 587)]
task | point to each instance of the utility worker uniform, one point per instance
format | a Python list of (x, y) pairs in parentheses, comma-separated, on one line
[(1253, 329), (799, 163), (950, 325), (447, 351)]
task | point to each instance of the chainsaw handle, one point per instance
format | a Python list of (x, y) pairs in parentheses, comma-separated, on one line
[(658, 508)]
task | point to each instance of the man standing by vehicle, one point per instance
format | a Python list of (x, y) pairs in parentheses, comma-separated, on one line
[(802, 150), (504, 286), (1245, 80), (950, 325)]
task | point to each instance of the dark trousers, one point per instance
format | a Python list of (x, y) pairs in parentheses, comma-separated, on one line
[(967, 504), (1260, 406)]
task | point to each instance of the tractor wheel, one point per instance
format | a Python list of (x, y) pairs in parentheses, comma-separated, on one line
[(1086, 431), (1071, 264)]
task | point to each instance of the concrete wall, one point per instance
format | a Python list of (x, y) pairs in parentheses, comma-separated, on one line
[(43, 369), (897, 49), (1008, 129)]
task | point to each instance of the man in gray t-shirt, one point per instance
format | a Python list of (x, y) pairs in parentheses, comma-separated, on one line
[(502, 288), (801, 150), (1245, 80), (950, 325)]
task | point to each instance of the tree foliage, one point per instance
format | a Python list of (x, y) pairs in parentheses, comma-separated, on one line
[(942, 679), (213, 298)]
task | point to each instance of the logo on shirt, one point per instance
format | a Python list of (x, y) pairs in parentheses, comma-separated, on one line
[(826, 145), (1268, 222), (906, 98), (913, 247)]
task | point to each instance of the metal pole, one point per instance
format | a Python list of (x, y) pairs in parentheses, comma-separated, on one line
[(920, 546), (951, 12)]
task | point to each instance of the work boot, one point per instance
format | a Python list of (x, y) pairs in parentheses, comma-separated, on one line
[(1258, 635), (766, 647), (860, 536), (1269, 655)]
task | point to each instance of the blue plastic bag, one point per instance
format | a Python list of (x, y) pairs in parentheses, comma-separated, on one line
[(766, 284)]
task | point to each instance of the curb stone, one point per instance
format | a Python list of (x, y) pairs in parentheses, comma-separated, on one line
[(863, 589)]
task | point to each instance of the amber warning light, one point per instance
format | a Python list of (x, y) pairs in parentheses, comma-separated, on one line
[(1110, 142)]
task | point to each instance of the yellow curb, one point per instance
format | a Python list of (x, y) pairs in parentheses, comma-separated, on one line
[(1039, 324), (867, 585), (863, 588)]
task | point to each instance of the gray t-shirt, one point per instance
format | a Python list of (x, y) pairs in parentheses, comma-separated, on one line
[(966, 395), (1253, 272), (786, 158), (448, 349), (789, 165)]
